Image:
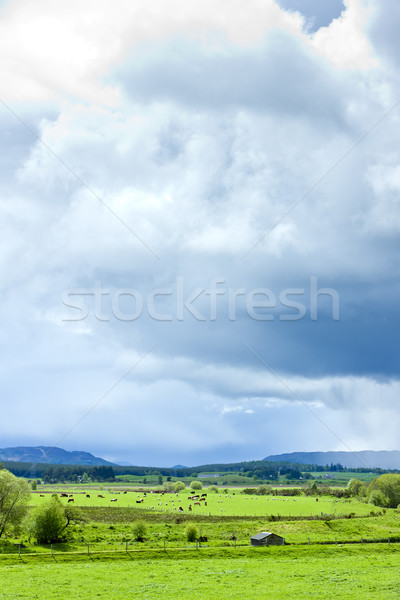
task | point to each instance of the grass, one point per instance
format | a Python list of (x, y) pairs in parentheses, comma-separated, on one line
[(223, 567), (279, 573), (233, 503)]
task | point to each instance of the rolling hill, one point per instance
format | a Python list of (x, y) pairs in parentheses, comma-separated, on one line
[(370, 459), (50, 455)]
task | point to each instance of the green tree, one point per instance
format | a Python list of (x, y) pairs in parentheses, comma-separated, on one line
[(48, 522), (139, 531), (179, 486), (385, 491), (196, 485), (34, 485), (191, 532), (213, 488), (85, 477), (355, 487), (160, 479), (14, 498)]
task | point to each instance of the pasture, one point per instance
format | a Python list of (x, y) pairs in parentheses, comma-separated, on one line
[(233, 503), (289, 572), (101, 558)]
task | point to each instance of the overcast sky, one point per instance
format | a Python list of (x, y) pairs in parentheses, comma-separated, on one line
[(199, 227)]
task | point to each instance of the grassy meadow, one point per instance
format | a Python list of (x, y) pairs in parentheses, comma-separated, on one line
[(101, 558), (280, 573), (232, 503)]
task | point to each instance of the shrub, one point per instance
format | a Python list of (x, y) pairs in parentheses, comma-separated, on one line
[(179, 486), (48, 522), (196, 485), (385, 490), (139, 531), (191, 532), (213, 488)]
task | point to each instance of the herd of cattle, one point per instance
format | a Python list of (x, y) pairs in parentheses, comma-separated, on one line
[(172, 499), (196, 499)]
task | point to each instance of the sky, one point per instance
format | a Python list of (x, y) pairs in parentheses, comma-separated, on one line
[(199, 227)]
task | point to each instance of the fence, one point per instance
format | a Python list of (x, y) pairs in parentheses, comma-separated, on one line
[(128, 548)]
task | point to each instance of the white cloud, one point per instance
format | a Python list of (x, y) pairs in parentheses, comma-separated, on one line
[(345, 41), (200, 168)]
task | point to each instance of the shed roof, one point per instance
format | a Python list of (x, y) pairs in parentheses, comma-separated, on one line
[(263, 535)]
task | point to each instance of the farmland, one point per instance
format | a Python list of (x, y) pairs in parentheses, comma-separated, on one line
[(101, 557), (230, 503), (312, 572)]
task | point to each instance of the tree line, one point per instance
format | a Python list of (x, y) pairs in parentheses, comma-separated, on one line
[(61, 473)]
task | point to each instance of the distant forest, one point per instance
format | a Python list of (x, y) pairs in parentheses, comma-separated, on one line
[(259, 469)]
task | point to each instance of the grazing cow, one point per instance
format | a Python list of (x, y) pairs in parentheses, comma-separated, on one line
[(180, 509), (70, 495), (204, 494), (205, 503), (113, 499), (139, 501), (126, 491), (100, 496), (190, 507), (64, 495), (71, 500), (197, 504), (87, 495), (42, 495), (316, 499)]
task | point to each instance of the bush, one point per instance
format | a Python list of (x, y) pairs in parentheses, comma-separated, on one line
[(355, 487), (168, 486), (213, 488), (139, 531), (196, 485), (179, 486), (191, 532), (48, 522), (385, 491), (377, 498)]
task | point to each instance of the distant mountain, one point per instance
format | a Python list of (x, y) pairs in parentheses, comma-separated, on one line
[(383, 459), (179, 467), (49, 455)]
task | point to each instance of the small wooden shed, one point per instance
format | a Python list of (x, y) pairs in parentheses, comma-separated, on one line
[(266, 538)]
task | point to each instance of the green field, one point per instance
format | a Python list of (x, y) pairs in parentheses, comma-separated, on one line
[(100, 556), (287, 572), (341, 478), (233, 503)]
